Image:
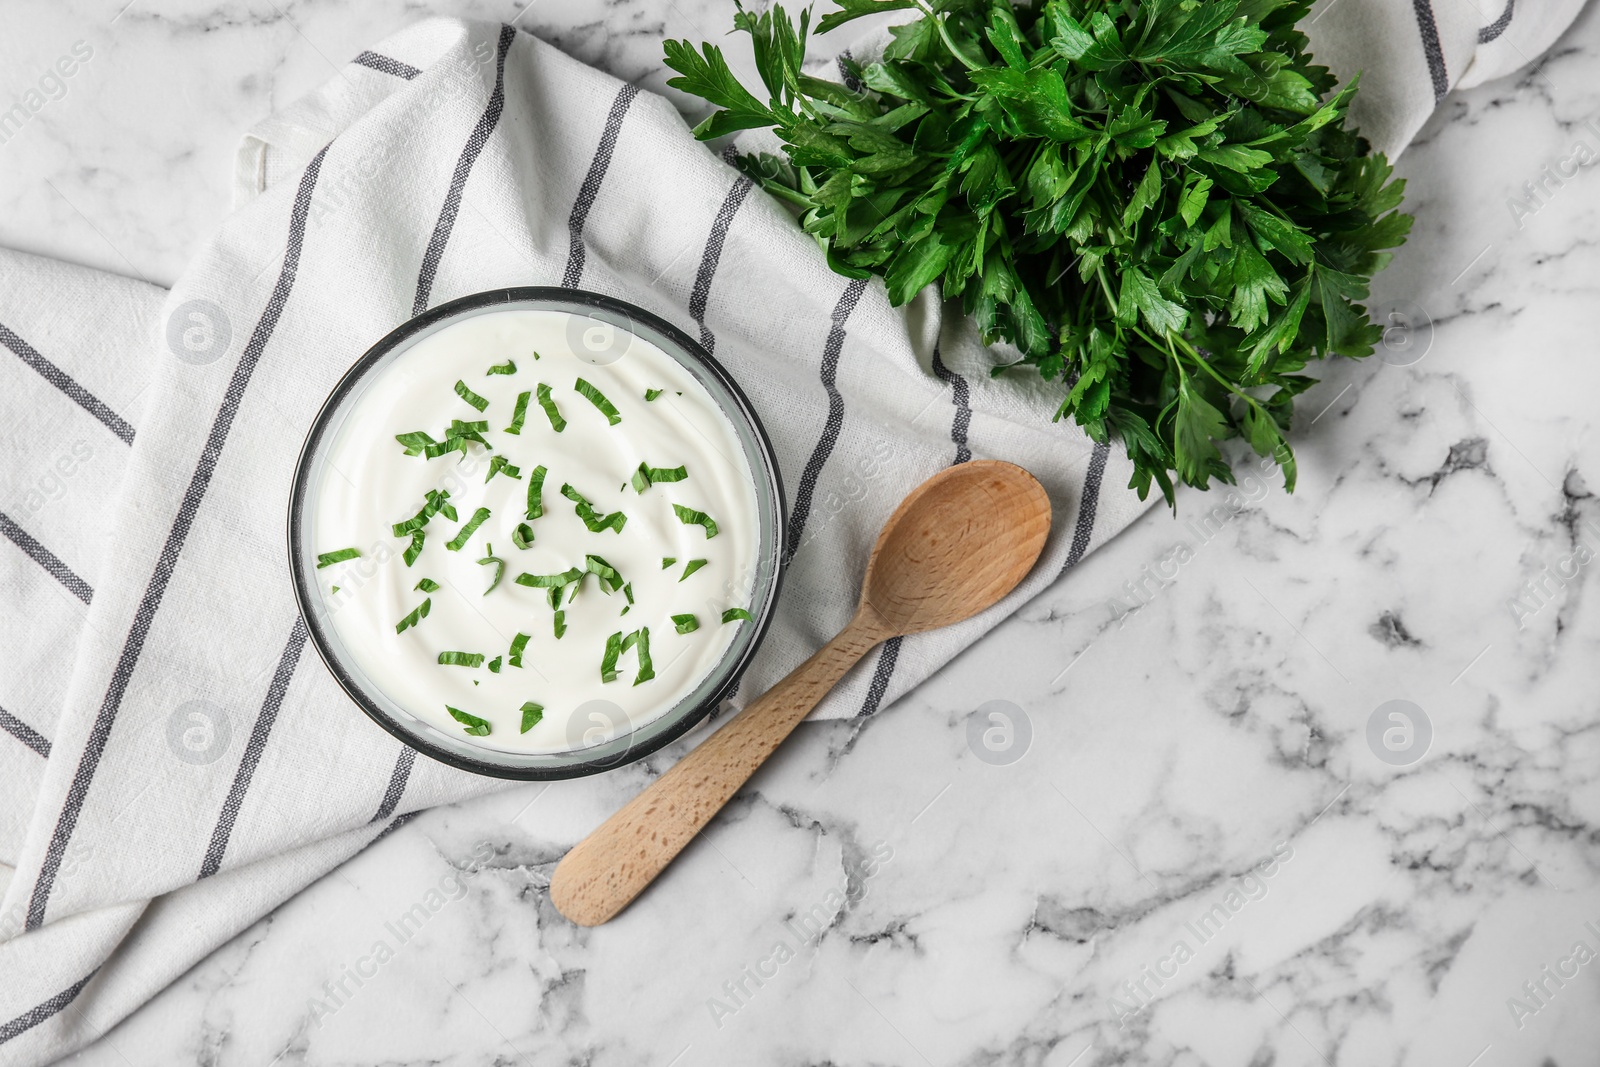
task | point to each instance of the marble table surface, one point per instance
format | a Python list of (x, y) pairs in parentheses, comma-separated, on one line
[(1284, 780)]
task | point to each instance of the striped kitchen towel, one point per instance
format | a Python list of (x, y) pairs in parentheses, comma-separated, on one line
[(173, 761)]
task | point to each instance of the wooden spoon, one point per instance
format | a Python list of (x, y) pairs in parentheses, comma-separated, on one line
[(962, 540)]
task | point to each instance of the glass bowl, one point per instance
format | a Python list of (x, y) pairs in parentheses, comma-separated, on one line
[(614, 320)]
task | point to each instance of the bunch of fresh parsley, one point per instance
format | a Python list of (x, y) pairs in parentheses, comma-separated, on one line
[(1156, 201)]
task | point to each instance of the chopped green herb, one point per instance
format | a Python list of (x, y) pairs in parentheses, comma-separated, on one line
[(416, 442), (690, 567), (328, 559), (499, 567), (475, 726), (550, 581), (522, 536), (610, 580), (627, 591), (508, 367), (437, 503), (598, 399), (536, 356), (617, 644), (651, 394), (687, 624), (531, 712), (519, 644), (691, 517), (469, 396), (593, 519), (418, 613), (334, 591), (415, 549), (494, 665), (461, 659), (557, 423), (641, 638), (608, 661), (536, 492), (667, 561), (735, 613), (469, 430), (499, 465), (560, 624), (520, 414), (450, 444), (645, 477), (459, 541), (427, 585)]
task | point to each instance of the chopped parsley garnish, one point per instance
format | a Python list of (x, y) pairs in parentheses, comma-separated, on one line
[(536, 491), (610, 579), (667, 561), (690, 567), (617, 644), (520, 414), (550, 581), (651, 394), (519, 644), (627, 591), (531, 714), (469, 396), (328, 559), (499, 465), (416, 442), (641, 639), (560, 624), (459, 541), (508, 367), (461, 659), (522, 536), (460, 433), (499, 567), (593, 519), (418, 613), (646, 476), (334, 591), (691, 517), (735, 613), (415, 548), (686, 624), (557, 423), (427, 585), (598, 399), (437, 503), (608, 661), (475, 726), (451, 444), (494, 665)]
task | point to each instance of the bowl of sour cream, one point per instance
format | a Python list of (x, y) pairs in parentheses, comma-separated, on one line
[(536, 533)]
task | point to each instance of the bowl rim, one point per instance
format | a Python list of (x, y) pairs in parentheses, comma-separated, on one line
[(575, 300)]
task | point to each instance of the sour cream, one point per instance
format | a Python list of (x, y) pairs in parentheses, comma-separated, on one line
[(370, 484)]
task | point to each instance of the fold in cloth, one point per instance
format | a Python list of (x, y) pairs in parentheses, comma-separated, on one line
[(174, 762)]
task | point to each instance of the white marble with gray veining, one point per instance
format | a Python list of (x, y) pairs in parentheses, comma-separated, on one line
[(1198, 859)]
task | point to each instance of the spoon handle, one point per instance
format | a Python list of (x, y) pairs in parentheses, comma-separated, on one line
[(606, 870)]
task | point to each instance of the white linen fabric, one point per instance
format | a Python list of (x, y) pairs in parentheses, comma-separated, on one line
[(173, 761)]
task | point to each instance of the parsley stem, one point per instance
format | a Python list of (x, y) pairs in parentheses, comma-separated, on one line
[(944, 35)]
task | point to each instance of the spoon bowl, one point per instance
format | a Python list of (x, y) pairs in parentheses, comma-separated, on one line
[(962, 540), (959, 543)]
